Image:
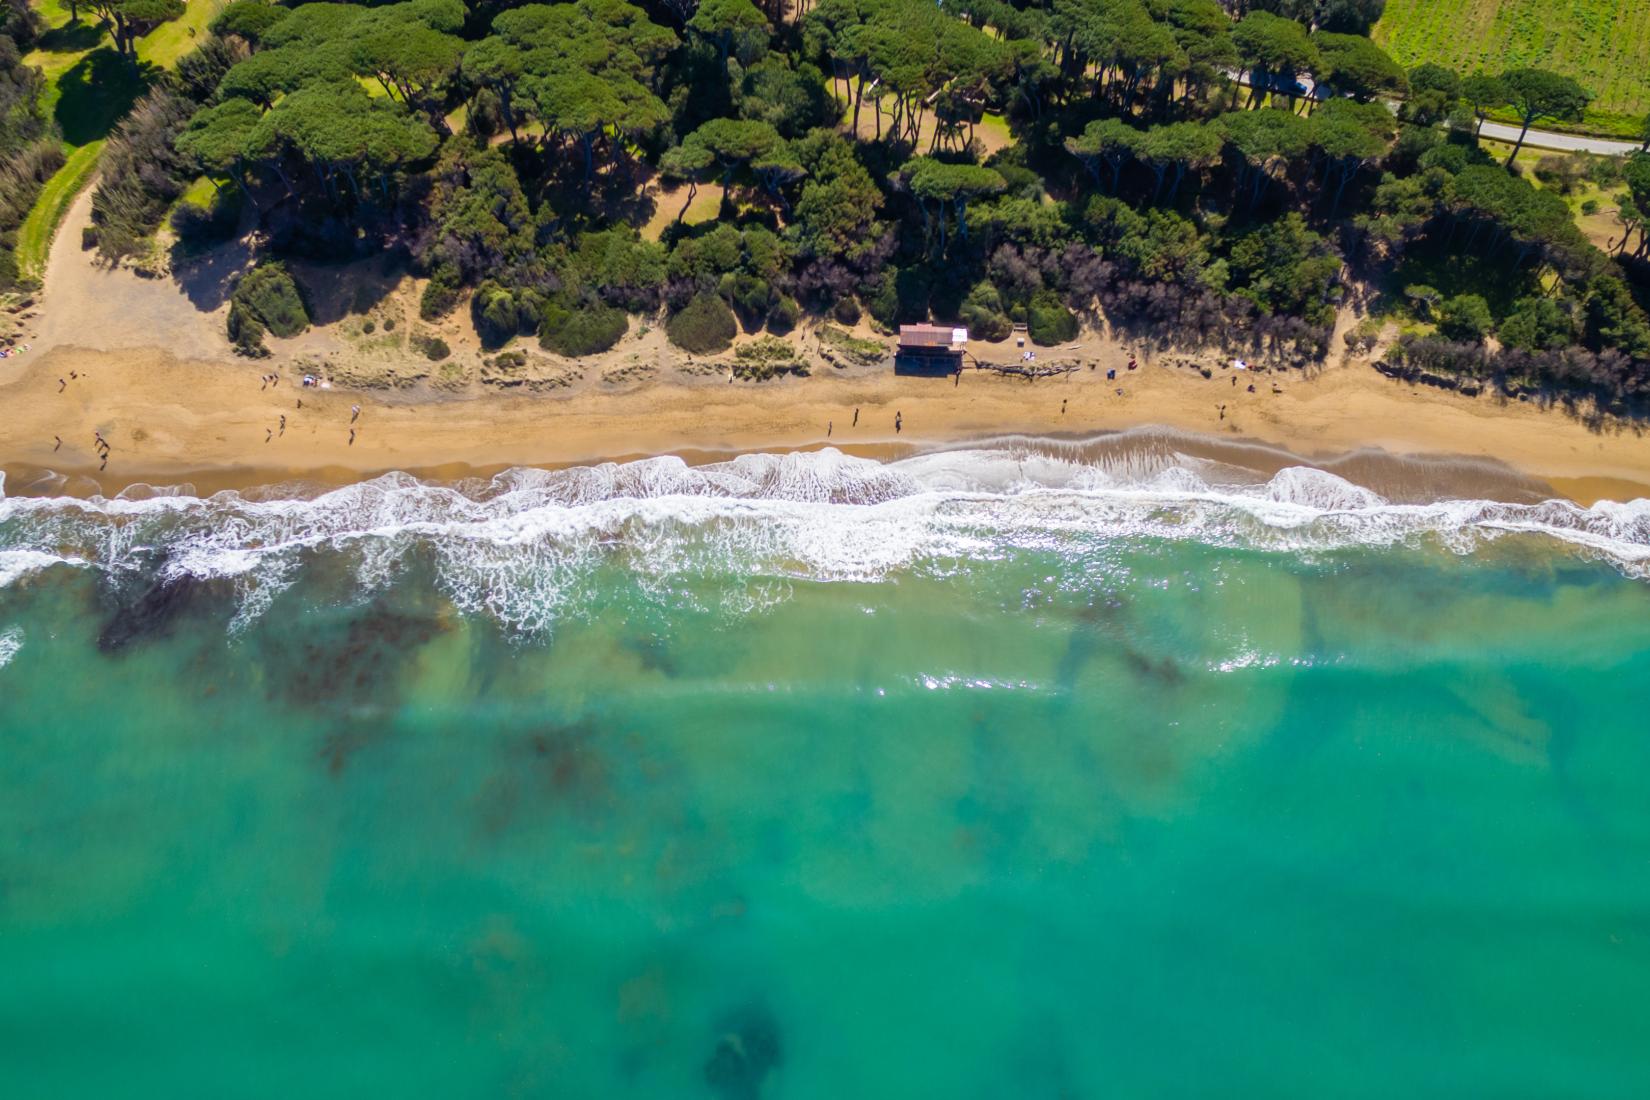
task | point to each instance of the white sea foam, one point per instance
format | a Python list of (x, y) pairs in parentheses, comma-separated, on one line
[(524, 546), (10, 642)]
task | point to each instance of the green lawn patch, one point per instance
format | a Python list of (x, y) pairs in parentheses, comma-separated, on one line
[(34, 239)]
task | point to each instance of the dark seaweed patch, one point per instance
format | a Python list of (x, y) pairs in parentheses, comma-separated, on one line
[(154, 613), (356, 666), (561, 766), (653, 653), (1165, 670), (747, 1050)]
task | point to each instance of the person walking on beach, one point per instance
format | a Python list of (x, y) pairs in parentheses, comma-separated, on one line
[(899, 421), (856, 417), (354, 413), (283, 423), (59, 444), (104, 465), (269, 434), (352, 437), (1063, 401), (61, 385), (830, 426), (1223, 412)]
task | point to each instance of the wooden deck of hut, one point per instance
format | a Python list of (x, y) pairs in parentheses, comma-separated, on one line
[(930, 349)]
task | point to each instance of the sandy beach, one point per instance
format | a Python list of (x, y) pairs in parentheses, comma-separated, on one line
[(215, 425)]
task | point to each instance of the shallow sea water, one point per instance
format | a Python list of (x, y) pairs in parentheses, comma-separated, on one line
[(1032, 792)]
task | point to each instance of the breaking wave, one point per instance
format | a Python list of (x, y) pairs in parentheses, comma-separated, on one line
[(525, 545)]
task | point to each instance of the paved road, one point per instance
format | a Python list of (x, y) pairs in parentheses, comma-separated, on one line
[(1568, 143), (1497, 131)]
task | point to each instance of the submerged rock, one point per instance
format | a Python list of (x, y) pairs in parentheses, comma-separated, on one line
[(747, 1051)]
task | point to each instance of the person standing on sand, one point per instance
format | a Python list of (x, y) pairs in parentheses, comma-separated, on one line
[(268, 434), (1063, 401), (352, 437), (830, 426), (354, 413), (899, 421), (856, 417), (61, 385), (59, 444)]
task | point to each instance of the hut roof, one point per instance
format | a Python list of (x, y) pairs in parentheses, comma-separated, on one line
[(932, 336)]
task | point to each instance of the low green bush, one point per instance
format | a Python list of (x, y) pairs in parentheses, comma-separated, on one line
[(1049, 322), (704, 326), (433, 348), (269, 294), (769, 357), (574, 329), (245, 332), (864, 352)]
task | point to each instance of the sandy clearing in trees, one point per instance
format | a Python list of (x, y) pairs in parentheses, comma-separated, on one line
[(90, 305)]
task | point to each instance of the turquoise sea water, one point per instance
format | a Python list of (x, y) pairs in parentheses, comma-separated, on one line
[(990, 774)]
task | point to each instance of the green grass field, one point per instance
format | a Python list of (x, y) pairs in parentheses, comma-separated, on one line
[(89, 88), (1604, 44), (34, 239)]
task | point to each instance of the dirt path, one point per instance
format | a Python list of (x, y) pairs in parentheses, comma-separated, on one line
[(89, 305)]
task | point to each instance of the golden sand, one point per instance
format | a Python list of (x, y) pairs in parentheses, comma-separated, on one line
[(168, 420)]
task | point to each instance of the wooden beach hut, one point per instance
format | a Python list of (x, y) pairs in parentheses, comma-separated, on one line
[(930, 349)]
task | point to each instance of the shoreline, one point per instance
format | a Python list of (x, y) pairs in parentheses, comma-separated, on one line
[(172, 421)]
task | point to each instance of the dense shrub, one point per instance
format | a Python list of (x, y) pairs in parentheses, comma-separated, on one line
[(982, 311), (704, 326), (441, 293), (846, 310), (271, 296), (1465, 317), (500, 313), (784, 314), (750, 296), (1050, 322), (245, 332), (574, 329), (141, 173)]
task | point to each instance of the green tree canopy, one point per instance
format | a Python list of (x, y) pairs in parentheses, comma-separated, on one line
[(1537, 94), (1353, 64)]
